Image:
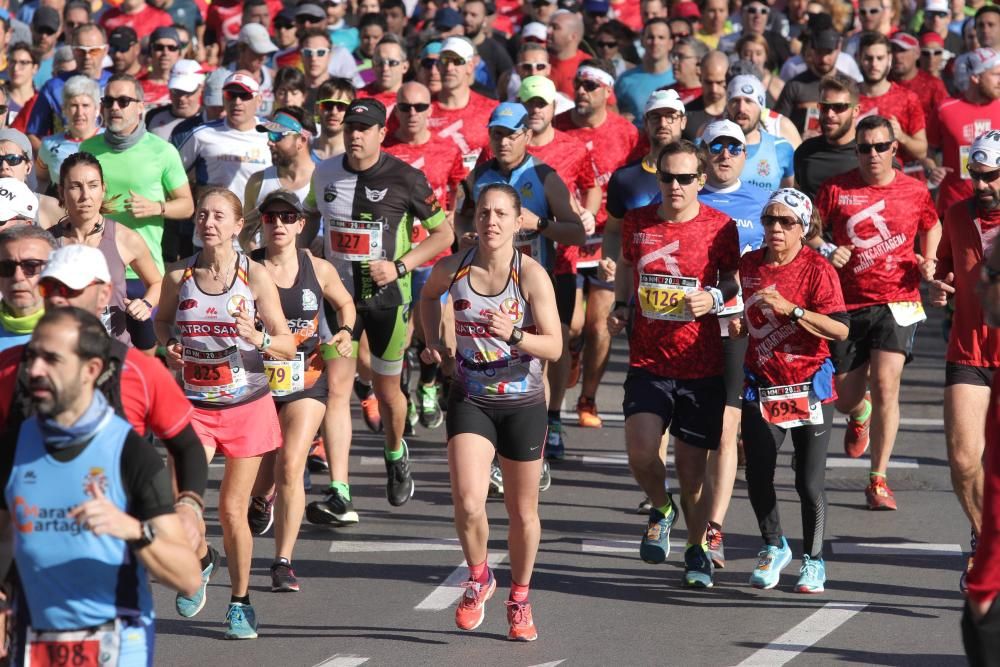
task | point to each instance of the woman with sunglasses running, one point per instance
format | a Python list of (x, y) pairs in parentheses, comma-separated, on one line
[(793, 303), (83, 194), (214, 299)]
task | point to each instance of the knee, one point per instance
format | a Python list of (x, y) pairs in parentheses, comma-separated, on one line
[(965, 465), (524, 516), (387, 390), (233, 514), (643, 453), (469, 510)]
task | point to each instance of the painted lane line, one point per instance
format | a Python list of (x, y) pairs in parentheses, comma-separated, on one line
[(918, 421), (380, 461), (549, 664), (900, 463), (368, 546), (895, 549), (801, 637), (337, 660), (608, 546), (450, 590)]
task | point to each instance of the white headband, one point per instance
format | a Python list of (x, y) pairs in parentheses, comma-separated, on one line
[(596, 74), (795, 200)]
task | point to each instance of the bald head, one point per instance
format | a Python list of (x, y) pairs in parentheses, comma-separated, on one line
[(414, 92), (713, 77)]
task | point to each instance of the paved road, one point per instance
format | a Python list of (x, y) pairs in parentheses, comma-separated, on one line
[(377, 594)]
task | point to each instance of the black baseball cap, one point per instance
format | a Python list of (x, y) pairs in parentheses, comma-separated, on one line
[(46, 17), (366, 111), (122, 38), (281, 195)]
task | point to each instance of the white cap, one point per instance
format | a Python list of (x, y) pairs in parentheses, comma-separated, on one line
[(186, 75), (535, 30), (746, 85), (983, 60), (256, 37), (17, 200), (244, 81), (985, 149), (937, 6), (723, 128), (460, 46), (664, 99), (76, 266)]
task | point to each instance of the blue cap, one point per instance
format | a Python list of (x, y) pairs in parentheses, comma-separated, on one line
[(596, 6), (446, 18), (511, 115), (431, 49)]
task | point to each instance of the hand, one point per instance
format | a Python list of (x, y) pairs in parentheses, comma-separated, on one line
[(737, 328), (927, 267), (589, 222), (175, 356), (383, 272), (468, 240), (529, 221), (246, 329), (498, 324), (435, 353), (137, 310), (897, 128), (193, 525), (938, 174), (617, 320), (773, 299), (841, 256), (700, 302), (979, 608), (100, 516), (343, 343), (140, 207), (606, 269), (940, 290)]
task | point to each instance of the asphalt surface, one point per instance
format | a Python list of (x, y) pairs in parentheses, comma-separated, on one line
[(373, 594)]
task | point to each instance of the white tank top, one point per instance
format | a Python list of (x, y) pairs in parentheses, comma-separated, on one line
[(269, 183), (490, 371), (220, 368)]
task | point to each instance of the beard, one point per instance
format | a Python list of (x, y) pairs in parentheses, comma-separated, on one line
[(840, 131), (55, 402), (871, 81)]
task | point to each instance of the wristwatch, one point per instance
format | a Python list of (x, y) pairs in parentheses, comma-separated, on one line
[(543, 223), (400, 268), (148, 535), (797, 314), (516, 336)]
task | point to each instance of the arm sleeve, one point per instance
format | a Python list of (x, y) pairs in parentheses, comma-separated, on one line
[(145, 478), (189, 460)]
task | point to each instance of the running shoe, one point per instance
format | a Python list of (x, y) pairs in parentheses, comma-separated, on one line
[(472, 607), (716, 551), (574, 366), (283, 577), (962, 581), (260, 514), (410, 425), (242, 621), (586, 412), (496, 480), (399, 485), (655, 545), (697, 567), (555, 444), (644, 506), (333, 510), (856, 438), (879, 495), (189, 606), (812, 576), (369, 406), (771, 561), (546, 480), (427, 405), (316, 461), (522, 626)]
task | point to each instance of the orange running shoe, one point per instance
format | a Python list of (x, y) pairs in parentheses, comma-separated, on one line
[(522, 626), (369, 408), (879, 495), (586, 412), (856, 437), (472, 608)]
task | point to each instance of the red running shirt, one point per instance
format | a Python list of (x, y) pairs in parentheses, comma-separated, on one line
[(156, 94), (906, 108), (929, 89), (965, 240), (781, 352), (700, 248), (953, 129), (467, 127), (881, 222), (388, 99), (144, 21)]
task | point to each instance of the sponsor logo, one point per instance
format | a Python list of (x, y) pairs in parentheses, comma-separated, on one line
[(309, 300), (462, 304), (512, 308), (34, 519), (211, 311), (472, 329), (187, 304), (199, 329), (375, 196), (330, 193), (236, 303), (30, 477), (95, 477)]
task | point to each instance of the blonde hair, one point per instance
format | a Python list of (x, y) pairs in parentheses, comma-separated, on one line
[(234, 202)]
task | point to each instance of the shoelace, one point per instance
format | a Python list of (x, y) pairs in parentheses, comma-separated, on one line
[(714, 539), (764, 559), (235, 615), (810, 569), (520, 612), (473, 591)]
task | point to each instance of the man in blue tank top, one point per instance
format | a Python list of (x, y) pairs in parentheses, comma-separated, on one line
[(87, 508), (769, 163)]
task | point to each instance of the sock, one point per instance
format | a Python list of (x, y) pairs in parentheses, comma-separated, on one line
[(343, 488), (395, 455), (518, 593), (873, 474), (242, 600), (207, 560), (480, 573), (865, 414), (554, 417), (666, 509), (428, 372)]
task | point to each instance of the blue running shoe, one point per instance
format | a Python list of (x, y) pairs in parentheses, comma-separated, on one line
[(242, 621), (697, 567), (771, 561), (655, 545), (189, 606), (812, 576)]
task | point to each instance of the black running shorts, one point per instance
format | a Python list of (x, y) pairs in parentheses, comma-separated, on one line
[(692, 408)]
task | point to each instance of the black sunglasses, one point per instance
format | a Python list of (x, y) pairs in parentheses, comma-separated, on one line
[(429, 63), (330, 105), (31, 267), (123, 101), (407, 107), (683, 179), (47, 32), (586, 84), (836, 107), (172, 48), (785, 222), (286, 217), (243, 95), (13, 159), (984, 176), (937, 14), (606, 45), (880, 147), (537, 67)]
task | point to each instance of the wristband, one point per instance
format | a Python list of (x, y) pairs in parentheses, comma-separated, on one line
[(148, 304), (193, 505), (400, 268), (192, 499), (827, 250), (719, 302), (266, 343), (348, 329)]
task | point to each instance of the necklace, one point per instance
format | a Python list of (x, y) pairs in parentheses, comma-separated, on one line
[(222, 279)]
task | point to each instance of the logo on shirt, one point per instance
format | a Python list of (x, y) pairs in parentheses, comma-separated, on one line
[(330, 193), (211, 311), (309, 300), (187, 304), (527, 191), (96, 478), (462, 304), (513, 309), (764, 168), (375, 196), (236, 303), (873, 213)]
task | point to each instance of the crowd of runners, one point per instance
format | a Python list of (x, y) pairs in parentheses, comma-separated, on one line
[(221, 224)]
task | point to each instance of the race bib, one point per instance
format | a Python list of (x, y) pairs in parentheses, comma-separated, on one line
[(907, 312), (356, 240), (963, 161), (85, 648), (790, 405), (663, 297), (215, 372), (530, 244), (590, 253), (469, 159), (286, 377), (812, 124)]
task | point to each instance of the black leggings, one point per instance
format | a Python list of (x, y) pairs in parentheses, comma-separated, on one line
[(761, 442)]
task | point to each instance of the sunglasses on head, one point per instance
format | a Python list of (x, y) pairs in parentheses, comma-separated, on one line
[(586, 84), (272, 217), (984, 176), (123, 101), (836, 107), (733, 148), (330, 105), (931, 52), (13, 159), (31, 267), (683, 179), (785, 222), (410, 107), (162, 46), (880, 147), (49, 288), (429, 62), (242, 95), (537, 67), (315, 53)]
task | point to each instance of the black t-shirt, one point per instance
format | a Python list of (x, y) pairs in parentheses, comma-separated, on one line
[(816, 160), (797, 96)]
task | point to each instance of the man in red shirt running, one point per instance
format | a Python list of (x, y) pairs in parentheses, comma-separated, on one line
[(875, 213), (905, 54), (968, 235)]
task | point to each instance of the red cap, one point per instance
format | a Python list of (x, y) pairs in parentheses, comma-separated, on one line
[(905, 41), (685, 10), (931, 39)]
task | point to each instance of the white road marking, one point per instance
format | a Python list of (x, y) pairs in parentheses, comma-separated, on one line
[(448, 592), (608, 546), (864, 462), (380, 461), (918, 421), (895, 549), (549, 664), (367, 546), (800, 638), (337, 660)]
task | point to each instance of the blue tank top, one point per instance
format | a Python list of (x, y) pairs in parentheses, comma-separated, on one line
[(743, 203), (768, 162), (72, 578)]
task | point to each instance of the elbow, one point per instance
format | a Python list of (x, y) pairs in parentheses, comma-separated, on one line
[(840, 332)]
